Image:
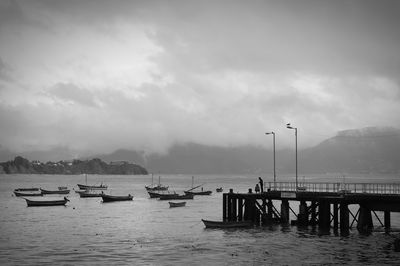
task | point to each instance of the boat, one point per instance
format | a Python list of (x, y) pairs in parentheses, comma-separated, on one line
[(89, 194), (64, 191), (153, 194), (93, 187), (28, 194), (175, 197), (27, 189), (199, 193), (38, 203), (177, 204), (222, 224), (192, 192), (157, 187), (110, 198), (219, 189)]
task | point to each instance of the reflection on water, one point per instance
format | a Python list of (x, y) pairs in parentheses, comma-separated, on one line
[(148, 232)]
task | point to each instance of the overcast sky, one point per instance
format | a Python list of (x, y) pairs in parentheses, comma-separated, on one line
[(103, 75)]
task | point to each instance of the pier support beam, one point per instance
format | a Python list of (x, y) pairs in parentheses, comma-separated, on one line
[(365, 224), (313, 220), (387, 221), (303, 214), (344, 218), (324, 221), (285, 212), (335, 216)]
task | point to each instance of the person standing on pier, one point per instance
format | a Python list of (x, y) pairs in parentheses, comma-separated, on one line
[(257, 188), (261, 184)]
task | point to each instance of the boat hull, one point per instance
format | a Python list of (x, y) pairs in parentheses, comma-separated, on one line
[(110, 198), (199, 193), (221, 224), (27, 189), (86, 187), (177, 204), (27, 194), (44, 203), (65, 191), (154, 195), (175, 197)]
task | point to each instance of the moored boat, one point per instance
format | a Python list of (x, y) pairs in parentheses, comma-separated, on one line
[(27, 189), (177, 204), (28, 194), (154, 195), (45, 191), (222, 224), (198, 193), (39, 203), (95, 187), (193, 192), (89, 194), (156, 187), (175, 197), (219, 189), (111, 198)]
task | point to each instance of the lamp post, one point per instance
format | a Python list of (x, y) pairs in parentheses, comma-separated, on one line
[(295, 134), (273, 134)]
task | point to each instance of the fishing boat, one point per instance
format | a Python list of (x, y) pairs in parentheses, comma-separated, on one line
[(156, 187), (110, 198), (28, 194), (219, 189), (45, 191), (91, 187), (193, 192), (39, 203), (177, 204), (175, 197), (221, 224), (89, 194), (27, 189), (154, 195)]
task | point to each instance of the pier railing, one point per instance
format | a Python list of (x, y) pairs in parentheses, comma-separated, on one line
[(373, 188)]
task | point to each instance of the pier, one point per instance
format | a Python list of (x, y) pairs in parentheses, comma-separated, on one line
[(325, 205)]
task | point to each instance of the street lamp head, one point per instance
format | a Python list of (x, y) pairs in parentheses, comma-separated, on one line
[(269, 133)]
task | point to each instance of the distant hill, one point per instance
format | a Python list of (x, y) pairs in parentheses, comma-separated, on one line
[(372, 149), (22, 165)]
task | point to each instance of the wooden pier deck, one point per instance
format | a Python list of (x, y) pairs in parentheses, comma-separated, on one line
[(322, 204)]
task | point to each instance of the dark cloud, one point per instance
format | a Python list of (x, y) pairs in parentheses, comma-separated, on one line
[(71, 93)]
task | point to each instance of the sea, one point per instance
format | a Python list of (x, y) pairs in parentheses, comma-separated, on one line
[(147, 232)]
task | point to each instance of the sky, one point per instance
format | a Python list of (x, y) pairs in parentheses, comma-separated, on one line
[(104, 75)]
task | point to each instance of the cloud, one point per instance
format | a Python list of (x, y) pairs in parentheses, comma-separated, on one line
[(147, 74), (72, 93)]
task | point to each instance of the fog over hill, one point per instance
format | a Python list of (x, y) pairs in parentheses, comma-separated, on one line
[(367, 150)]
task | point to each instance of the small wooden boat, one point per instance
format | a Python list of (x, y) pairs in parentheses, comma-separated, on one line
[(221, 224), (157, 187), (193, 192), (198, 193), (154, 195), (177, 204), (110, 198), (27, 189), (89, 194), (28, 194), (175, 197), (219, 189), (93, 187), (45, 191), (39, 203)]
